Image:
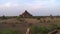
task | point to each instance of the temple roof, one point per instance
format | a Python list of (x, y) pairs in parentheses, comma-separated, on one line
[(26, 14)]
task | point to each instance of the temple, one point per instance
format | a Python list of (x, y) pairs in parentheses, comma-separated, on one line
[(26, 14)]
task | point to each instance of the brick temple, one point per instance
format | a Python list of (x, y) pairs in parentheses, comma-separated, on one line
[(26, 14)]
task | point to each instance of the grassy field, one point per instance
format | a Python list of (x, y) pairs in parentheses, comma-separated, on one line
[(39, 25)]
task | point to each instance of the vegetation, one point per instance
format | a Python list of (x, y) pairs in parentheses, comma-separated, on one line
[(9, 32), (43, 30), (3, 17), (54, 26), (34, 29), (39, 30), (18, 17)]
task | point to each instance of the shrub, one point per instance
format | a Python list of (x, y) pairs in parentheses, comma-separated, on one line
[(3, 17), (39, 30), (0, 32), (18, 17), (34, 29), (54, 26), (43, 30), (9, 31), (38, 18), (6, 32), (15, 32)]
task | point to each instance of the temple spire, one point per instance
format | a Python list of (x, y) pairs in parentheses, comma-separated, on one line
[(26, 14)]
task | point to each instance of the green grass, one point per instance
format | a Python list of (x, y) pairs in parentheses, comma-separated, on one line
[(54, 26), (43, 30), (9, 32), (39, 30)]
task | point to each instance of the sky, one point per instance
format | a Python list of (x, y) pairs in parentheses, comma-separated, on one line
[(35, 7)]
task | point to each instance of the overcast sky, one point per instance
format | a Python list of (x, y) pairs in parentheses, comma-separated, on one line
[(35, 7)]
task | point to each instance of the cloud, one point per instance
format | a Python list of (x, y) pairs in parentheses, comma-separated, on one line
[(36, 7)]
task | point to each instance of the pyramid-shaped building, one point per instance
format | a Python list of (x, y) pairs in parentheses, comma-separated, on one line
[(26, 14)]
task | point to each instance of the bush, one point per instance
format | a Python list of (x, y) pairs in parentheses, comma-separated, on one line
[(0, 32), (18, 17), (54, 26), (6, 32), (34, 29), (39, 30), (44, 30), (9, 32), (3, 17), (15, 32), (38, 18)]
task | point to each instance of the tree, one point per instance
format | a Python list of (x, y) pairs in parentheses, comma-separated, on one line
[(4, 17)]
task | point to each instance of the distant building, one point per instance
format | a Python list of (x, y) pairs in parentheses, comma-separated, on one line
[(26, 14)]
